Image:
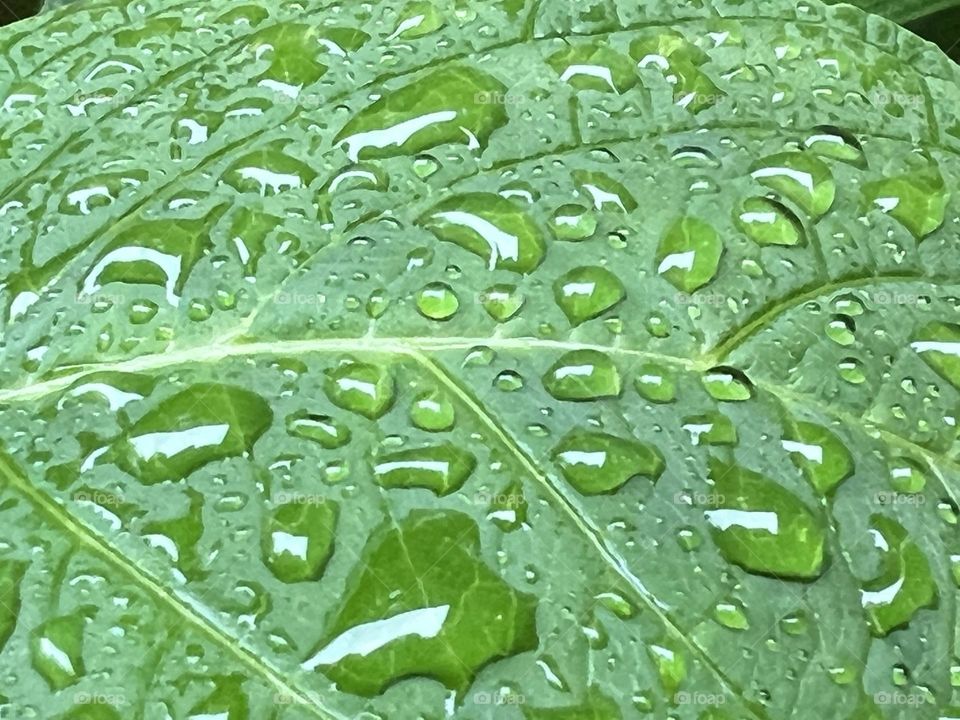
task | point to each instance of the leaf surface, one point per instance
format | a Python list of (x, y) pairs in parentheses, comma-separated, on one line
[(505, 360)]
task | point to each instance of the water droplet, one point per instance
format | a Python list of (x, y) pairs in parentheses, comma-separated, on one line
[(410, 618), (689, 254), (762, 527), (450, 105), (440, 468), (938, 344), (795, 623), (768, 222), (502, 301), (437, 301), (905, 583), (360, 388), (594, 67), (204, 423), (917, 200), (841, 329), (508, 381), (586, 292), (907, 475), (597, 463), (851, 370), (56, 651), (491, 227), (143, 311), (670, 661), (297, 538), (801, 178), (712, 428), (508, 507), (322, 429), (573, 222), (731, 614), (583, 375), (432, 411), (655, 383), (819, 453), (416, 20), (727, 384)]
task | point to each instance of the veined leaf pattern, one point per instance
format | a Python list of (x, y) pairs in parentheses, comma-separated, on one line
[(521, 359)]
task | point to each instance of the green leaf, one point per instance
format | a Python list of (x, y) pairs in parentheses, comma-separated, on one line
[(478, 360)]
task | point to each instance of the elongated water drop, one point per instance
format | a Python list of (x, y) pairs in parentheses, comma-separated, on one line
[(440, 468), (905, 583), (727, 384), (768, 222), (595, 462), (323, 429)]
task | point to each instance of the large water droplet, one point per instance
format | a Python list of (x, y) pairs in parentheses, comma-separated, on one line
[(594, 67), (502, 301), (583, 375), (322, 429), (432, 411), (437, 301), (917, 200), (56, 651), (595, 462), (800, 177), (586, 292), (656, 383), (768, 222), (440, 468), (905, 583), (491, 227), (819, 453), (415, 605), (573, 222), (727, 384), (689, 254), (762, 527), (297, 538), (450, 105), (361, 388), (199, 425)]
